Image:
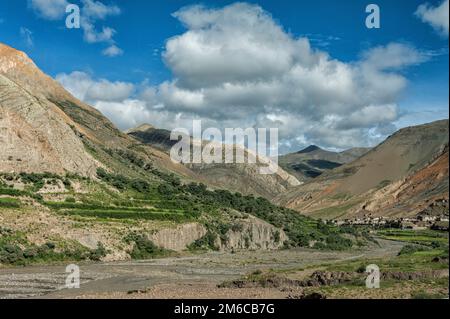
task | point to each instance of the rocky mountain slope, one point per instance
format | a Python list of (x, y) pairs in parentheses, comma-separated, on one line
[(423, 191), (314, 161), (35, 134), (46, 129), (397, 178)]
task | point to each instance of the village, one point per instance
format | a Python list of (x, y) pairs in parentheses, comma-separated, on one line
[(435, 216), (420, 222)]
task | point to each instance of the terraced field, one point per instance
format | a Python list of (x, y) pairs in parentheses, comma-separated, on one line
[(422, 237), (122, 212)]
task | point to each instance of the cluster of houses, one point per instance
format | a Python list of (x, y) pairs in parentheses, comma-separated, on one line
[(421, 221), (435, 216)]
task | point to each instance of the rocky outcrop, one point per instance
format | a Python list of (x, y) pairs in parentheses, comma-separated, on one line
[(252, 233), (178, 238)]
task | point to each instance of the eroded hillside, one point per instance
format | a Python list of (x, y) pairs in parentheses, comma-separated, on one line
[(399, 177)]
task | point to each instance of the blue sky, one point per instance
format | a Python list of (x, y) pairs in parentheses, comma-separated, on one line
[(143, 29)]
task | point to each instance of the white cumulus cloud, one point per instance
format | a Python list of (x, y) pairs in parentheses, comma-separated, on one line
[(92, 12), (112, 51), (437, 16), (49, 9), (237, 63), (237, 67), (90, 90)]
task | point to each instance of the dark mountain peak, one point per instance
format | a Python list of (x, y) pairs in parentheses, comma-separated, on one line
[(309, 149), (141, 128)]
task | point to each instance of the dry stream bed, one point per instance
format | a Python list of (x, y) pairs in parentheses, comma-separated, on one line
[(194, 276)]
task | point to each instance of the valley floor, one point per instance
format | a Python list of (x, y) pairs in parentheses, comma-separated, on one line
[(190, 276)]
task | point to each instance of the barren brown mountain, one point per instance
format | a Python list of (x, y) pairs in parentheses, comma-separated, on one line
[(399, 177), (45, 129)]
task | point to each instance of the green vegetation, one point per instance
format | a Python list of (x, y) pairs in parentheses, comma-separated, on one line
[(411, 249), (423, 250), (301, 230), (167, 199), (427, 237), (416, 272), (118, 214), (123, 183), (121, 212), (411, 262), (205, 243), (144, 248), (34, 182), (426, 295), (195, 201), (37, 181), (19, 193), (10, 202), (16, 250), (334, 242)]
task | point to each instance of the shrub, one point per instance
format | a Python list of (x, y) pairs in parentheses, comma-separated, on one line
[(438, 245), (98, 253), (276, 236), (50, 245), (206, 242), (16, 250), (37, 179), (411, 249), (17, 193), (237, 227), (336, 242), (10, 202), (144, 248), (123, 183), (101, 173)]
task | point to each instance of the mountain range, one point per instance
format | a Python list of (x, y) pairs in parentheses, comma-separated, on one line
[(46, 129), (64, 158)]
